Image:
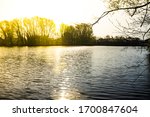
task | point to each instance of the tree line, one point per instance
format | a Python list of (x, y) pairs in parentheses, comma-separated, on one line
[(121, 41), (37, 31), (41, 31)]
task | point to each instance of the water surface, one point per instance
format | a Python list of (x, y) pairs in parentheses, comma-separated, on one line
[(95, 72)]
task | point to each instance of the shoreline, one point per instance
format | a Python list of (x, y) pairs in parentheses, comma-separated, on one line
[(74, 45)]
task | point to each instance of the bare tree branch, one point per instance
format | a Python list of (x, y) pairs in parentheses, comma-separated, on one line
[(119, 9), (134, 12)]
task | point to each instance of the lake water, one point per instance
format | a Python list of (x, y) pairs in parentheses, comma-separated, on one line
[(86, 72)]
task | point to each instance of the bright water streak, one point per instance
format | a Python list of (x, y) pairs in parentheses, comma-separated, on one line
[(95, 72)]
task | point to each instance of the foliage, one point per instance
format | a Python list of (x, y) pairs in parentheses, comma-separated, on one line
[(77, 35), (27, 31), (37, 31), (41, 31)]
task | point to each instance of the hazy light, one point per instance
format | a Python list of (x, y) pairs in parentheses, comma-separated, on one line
[(66, 11)]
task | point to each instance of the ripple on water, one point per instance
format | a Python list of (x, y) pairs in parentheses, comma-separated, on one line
[(74, 73)]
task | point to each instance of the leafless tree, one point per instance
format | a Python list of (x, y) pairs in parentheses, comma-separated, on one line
[(138, 10)]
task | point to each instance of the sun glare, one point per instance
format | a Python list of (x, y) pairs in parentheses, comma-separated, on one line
[(66, 11), (61, 11)]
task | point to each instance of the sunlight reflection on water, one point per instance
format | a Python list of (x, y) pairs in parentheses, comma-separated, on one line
[(74, 73)]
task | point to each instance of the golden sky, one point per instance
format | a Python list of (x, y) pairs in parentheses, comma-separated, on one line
[(66, 11)]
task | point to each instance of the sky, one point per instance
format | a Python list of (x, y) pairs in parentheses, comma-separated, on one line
[(62, 11)]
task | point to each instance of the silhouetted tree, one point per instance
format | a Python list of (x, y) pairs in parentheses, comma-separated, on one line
[(69, 35), (79, 34), (85, 33)]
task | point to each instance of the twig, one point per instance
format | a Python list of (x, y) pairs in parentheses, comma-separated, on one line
[(146, 33), (134, 12), (119, 9), (144, 16)]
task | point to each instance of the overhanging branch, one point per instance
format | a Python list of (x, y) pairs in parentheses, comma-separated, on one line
[(119, 9)]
